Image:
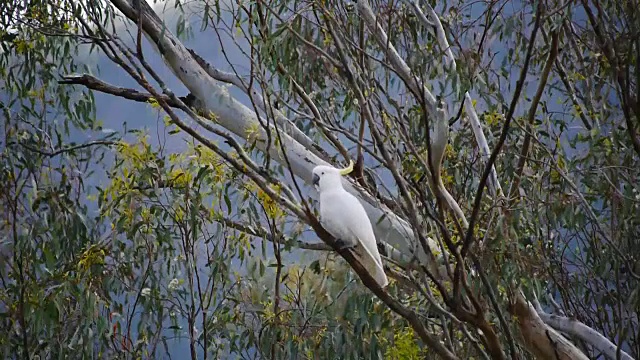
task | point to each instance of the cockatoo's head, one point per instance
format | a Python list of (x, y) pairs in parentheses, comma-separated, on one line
[(327, 177)]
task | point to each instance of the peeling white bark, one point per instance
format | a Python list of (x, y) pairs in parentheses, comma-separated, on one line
[(259, 101), (540, 338), (584, 332)]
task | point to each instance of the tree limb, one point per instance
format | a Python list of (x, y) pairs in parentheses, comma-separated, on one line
[(261, 232), (68, 148), (524, 152), (434, 25), (542, 340), (94, 83), (584, 332), (503, 135)]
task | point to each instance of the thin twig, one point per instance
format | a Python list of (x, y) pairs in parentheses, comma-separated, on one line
[(524, 152), (69, 148)]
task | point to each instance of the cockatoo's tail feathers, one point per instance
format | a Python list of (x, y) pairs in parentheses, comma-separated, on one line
[(373, 263)]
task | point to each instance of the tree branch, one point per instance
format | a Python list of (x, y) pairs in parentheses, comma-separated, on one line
[(503, 135), (94, 83), (524, 152), (399, 65), (260, 102), (434, 25), (69, 148), (584, 332), (261, 232), (542, 340)]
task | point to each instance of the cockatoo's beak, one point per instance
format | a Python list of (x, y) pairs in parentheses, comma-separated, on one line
[(316, 180), (348, 169)]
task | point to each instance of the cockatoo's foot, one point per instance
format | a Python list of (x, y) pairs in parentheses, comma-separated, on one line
[(342, 245)]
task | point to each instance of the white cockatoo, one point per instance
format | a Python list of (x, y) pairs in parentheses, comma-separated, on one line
[(344, 217)]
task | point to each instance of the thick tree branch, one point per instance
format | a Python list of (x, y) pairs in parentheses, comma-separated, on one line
[(261, 103), (542, 340), (582, 331), (96, 84)]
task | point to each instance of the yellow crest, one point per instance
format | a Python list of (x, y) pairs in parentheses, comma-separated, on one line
[(348, 169)]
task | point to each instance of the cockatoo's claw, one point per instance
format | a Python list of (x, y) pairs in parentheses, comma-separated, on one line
[(342, 245)]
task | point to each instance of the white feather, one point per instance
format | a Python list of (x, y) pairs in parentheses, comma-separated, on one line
[(344, 217)]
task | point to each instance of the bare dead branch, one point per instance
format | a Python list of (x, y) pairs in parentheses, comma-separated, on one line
[(67, 149), (94, 83)]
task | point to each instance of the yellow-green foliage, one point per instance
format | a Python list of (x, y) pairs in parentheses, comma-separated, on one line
[(493, 118), (94, 255), (272, 208), (404, 346)]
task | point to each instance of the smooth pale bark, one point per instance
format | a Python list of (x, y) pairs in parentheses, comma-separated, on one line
[(542, 340), (243, 122), (587, 334)]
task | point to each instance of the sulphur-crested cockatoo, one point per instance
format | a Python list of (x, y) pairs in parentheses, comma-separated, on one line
[(344, 217)]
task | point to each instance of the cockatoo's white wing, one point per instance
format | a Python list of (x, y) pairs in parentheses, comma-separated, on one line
[(342, 215), (336, 216)]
